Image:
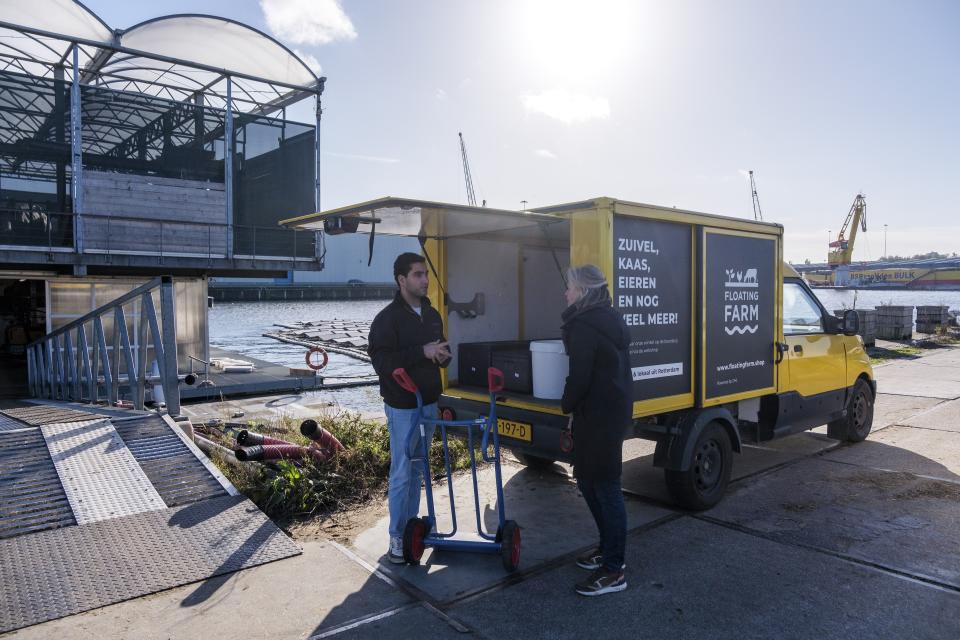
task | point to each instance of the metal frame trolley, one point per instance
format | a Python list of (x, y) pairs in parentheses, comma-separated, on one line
[(421, 532)]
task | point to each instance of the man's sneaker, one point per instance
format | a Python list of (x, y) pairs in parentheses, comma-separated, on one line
[(396, 551), (590, 560), (602, 581)]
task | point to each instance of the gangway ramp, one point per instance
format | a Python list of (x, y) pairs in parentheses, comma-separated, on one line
[(100, 505)]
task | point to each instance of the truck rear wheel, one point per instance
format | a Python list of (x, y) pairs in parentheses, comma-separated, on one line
[(856, 425), (703, 484)]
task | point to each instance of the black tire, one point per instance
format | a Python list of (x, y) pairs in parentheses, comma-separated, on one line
[(413, 535), (532, 461), (703, 484), (510, 546), (856, 425)]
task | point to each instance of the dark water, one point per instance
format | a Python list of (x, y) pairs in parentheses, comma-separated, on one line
[(237, 327)]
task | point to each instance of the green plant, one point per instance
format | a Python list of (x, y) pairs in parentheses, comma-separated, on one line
[(287, 490)]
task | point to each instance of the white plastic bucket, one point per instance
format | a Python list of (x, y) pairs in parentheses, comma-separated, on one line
[(550, 365)]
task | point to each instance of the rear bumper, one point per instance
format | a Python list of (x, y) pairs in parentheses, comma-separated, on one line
[(546, 427)]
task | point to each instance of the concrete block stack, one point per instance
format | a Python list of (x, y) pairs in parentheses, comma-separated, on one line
[(931, 318), (894, 322)]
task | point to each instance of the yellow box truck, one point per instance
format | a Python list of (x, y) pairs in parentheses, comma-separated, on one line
[(729, 345)]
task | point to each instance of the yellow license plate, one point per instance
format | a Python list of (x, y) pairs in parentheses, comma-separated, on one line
[(512, 429)]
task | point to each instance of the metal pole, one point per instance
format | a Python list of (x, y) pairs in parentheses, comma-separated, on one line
[(115, 364), (70, 366), (133, 382), (31, 373), (168, 316), (317, 253), (142, 340), (228, 169), (316, 155), (76, 146)]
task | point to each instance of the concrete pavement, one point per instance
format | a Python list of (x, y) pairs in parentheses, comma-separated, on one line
[(813, 540)]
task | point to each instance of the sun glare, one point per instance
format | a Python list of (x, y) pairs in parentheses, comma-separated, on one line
[(582, 38)]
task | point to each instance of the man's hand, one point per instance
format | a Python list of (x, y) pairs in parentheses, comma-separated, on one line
[(436, 351)]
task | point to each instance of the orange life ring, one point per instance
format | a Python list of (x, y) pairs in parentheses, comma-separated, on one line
[(311, 363)]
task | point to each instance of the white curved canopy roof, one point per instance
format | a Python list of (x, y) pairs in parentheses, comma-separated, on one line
[(173, 57)]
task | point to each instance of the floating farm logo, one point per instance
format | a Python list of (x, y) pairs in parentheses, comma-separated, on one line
[(741, 302)]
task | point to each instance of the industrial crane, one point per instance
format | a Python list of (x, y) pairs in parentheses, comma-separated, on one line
[(841, 249), (757, 214), (471, 197)]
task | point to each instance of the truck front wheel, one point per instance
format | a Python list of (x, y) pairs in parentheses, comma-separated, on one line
[(704, 482), (856, 425)]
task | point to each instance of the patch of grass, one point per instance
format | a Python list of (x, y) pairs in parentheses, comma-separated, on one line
[(893, 352), (287, 490)]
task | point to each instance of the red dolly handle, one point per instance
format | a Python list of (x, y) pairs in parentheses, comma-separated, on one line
[(494, 380), (404, 380)]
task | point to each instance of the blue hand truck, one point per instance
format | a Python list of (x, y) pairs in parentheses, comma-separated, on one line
[(420, 532)]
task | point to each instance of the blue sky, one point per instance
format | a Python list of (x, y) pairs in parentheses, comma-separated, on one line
[(667, 103)]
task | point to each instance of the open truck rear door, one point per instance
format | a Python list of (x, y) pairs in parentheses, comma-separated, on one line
[(421, 219)]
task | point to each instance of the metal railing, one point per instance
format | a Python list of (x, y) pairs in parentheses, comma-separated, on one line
[(128, 235), (74, 362), (36, 229)]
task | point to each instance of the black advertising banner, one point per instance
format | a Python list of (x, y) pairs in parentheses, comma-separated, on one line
[(652, 290), (740, 285)]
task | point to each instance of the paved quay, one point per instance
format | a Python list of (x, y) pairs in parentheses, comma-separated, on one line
[(814, 539)]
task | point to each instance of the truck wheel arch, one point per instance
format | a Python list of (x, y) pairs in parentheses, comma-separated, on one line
[(676, 451)]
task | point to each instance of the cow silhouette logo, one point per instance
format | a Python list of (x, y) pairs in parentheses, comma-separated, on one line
[(741, 311), (740, 279)]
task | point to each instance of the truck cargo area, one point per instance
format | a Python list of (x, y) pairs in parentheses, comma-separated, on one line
[(516, 278)]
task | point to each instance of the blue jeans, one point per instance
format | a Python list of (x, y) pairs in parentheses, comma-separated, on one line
[(605, 499), (403, 495)]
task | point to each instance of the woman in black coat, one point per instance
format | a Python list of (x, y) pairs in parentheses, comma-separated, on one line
[(598, 394)]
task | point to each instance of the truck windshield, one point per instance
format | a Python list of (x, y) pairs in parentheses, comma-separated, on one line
[(800, 313)]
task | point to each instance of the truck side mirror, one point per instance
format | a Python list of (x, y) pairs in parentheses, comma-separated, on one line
[(851, 322)]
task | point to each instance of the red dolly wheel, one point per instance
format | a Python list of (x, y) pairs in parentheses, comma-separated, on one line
[(413, 535), (510, 546)]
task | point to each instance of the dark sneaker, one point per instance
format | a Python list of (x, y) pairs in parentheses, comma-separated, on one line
[(590, 560), (602, 581)]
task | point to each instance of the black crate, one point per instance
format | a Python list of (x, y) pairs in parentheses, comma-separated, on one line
[(516, 367), (474, 358)]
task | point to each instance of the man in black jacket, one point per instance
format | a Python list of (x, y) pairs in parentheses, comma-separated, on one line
[(407, 333)]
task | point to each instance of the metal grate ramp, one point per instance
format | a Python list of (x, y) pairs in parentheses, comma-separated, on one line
[(9, 424), (100, 476), (97, 509), (31, 495), (52, 574), (176, 472), (45, 414)]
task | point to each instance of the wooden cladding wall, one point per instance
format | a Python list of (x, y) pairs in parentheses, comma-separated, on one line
[(154, 198), (128, 213)]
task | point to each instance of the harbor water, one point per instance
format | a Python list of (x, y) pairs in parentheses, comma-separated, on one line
[(238, 327)]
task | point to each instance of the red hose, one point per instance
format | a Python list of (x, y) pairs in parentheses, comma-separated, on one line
[(322, 438), (249, 438), (280, 452)]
